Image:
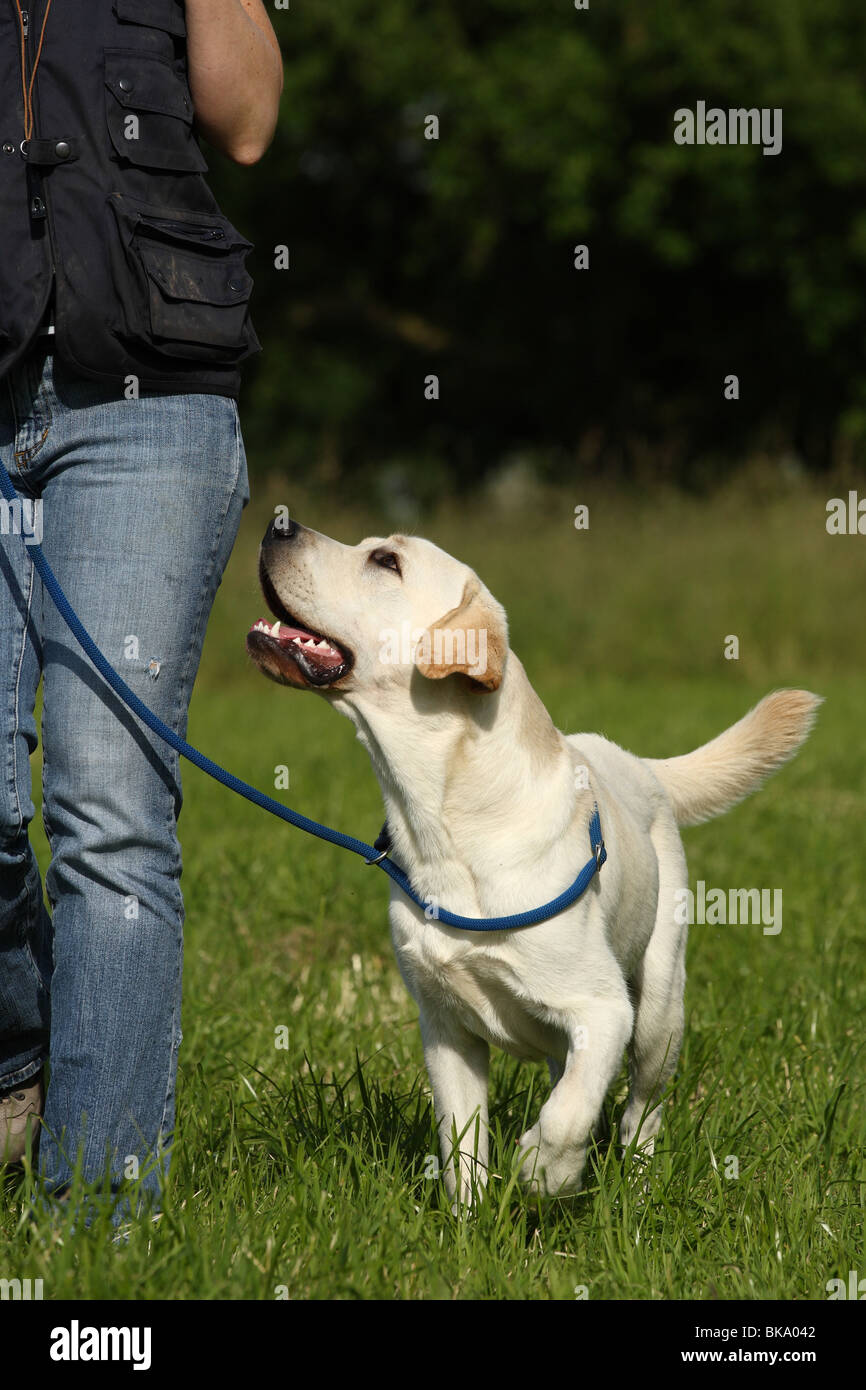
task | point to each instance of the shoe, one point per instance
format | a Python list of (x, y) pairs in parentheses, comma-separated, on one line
[(20, 1112)]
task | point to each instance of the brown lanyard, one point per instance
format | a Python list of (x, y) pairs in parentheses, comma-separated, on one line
[(27, 87)]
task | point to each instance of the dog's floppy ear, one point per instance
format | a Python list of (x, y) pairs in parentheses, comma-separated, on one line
[(471, 640)]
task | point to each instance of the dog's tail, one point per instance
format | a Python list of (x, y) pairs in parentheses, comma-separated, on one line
[(720, 773)]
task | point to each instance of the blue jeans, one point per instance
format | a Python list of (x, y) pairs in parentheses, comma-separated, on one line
[(141, 501)]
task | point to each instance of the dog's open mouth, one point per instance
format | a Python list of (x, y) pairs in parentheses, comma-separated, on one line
[(293, 654)]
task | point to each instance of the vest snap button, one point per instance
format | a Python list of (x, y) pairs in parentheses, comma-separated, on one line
[(61, 149), (126, 84), (8, 149)]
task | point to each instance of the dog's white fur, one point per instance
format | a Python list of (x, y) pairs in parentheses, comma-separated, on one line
[(488, 808)]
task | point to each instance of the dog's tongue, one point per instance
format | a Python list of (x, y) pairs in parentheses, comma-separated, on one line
[(315, 648)]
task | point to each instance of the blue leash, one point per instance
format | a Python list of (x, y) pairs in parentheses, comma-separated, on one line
[(336, 837)]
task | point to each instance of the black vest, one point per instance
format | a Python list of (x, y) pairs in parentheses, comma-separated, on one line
[(149, 276)]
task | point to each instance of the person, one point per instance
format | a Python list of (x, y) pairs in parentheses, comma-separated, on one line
[(124, 320)]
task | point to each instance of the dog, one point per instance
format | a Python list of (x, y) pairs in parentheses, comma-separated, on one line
[(488, 807)]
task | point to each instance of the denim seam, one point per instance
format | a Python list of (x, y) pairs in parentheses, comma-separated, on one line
[(176, 1039), (29, 454), (31, 959), (17, 727), (230, 493), (28, 952)]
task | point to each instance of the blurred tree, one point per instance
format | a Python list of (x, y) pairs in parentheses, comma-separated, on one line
[(455, 255)]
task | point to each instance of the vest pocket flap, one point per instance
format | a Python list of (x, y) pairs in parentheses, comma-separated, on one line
[(149, 113), (156, 14), (142, 82), (196, 278), (182, 285)]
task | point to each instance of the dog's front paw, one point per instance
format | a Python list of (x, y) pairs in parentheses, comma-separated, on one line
[(640, 1147), (527, 1158), (468, 1201), (640, 1130), (545, 1171)]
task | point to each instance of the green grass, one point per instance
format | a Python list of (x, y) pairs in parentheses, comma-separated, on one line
[(303, 1168)]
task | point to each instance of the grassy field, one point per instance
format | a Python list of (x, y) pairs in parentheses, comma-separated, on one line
[(300, 1171)]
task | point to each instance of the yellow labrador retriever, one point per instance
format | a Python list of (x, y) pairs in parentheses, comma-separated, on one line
[(488, 806)]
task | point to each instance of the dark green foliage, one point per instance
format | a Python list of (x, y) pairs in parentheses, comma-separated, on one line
[(454, 256)]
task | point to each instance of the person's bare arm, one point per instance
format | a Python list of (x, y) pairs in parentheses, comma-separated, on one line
[(235, 75)]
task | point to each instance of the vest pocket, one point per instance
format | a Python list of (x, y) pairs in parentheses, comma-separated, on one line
[(181, 282), (149, 112)]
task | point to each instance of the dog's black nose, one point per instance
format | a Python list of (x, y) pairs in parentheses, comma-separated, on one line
[(283, 527)]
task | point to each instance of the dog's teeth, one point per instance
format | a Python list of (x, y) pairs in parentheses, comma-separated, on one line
[(275, 630), (324, 644), (310, 642), (297, 641)]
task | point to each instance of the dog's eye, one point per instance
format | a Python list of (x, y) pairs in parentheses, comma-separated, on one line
[(386, 559)]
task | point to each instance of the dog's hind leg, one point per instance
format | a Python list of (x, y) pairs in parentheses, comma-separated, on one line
[(658, 985)]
